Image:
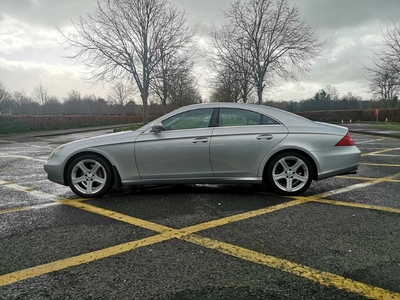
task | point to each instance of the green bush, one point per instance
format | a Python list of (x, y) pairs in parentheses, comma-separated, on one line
[(336, 116), (18, 124)]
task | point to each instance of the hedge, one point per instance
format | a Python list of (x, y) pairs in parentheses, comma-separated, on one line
[(17, 124), (336, 116)]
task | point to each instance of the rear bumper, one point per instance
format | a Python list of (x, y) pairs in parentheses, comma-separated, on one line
[(347, 171), (338, 161)]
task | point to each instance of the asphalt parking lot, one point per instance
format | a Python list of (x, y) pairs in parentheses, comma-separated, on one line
[(339, 240)]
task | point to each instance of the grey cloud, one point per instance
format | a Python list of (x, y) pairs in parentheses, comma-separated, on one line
[(328, 14), (49, 13)]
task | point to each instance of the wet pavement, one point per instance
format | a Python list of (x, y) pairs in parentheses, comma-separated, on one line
[(339, 240)]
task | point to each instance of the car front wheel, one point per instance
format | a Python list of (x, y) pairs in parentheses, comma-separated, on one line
[(290, 173), (89, 176)]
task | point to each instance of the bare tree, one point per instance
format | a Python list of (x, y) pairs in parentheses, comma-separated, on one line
[(389, 56), (171, 66), (40, 94), (120, 94), (270, 37), (126, 37), (332, 91), (4, 97), (184, 91), (384, 84), (226, 86), (230, 59), (384, 76), (24, 104)]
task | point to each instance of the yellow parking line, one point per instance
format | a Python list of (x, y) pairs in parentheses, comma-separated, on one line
[(356, 186), (367, 178), (318, 276), (168, 233), (376, 136), (357, 205), (380, 151), (191, 229), (78, 260), (242, 216), (117, 216), (380, 165), (321, 277)]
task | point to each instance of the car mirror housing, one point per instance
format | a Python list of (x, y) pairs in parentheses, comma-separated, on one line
[(157, 127)]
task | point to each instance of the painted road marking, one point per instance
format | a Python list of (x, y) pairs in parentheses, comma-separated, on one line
[(366, 178), (318, 276), (187, 234), (380, 151), (368, 141), (380, 165), (23, 157), (356, 186), (38, 206), (357, 205), (29, 191), (167, 234), (11, 142)]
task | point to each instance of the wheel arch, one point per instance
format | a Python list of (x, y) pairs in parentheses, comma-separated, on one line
[(304, 153)]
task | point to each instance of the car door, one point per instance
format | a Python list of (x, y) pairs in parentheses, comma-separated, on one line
[(241, 141), (181, 150)]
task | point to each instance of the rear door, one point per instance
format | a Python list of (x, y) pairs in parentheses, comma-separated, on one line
[(241, 141)]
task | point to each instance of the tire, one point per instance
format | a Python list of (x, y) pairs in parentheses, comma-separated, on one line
[(90, 176), (290, 173)]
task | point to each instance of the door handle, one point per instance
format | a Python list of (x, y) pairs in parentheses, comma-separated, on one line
[(264, 137), (200, 140)]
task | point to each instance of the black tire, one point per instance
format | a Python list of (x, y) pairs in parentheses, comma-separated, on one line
[(90, 176), (289, 173)]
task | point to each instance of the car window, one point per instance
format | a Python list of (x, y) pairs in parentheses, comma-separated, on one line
[(241, 117), (198, 118), (265, 120)]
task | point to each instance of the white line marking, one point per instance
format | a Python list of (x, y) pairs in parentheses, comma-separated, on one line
[(24, 157), (37, 194)]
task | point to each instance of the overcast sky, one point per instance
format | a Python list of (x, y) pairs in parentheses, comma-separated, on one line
[(31, 54)]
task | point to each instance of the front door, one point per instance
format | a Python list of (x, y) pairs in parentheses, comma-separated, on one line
[(182, 150)]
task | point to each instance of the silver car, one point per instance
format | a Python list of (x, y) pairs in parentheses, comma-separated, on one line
[(209, 143)]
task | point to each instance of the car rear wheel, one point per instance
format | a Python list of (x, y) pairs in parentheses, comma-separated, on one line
[(89, 176), (290, 173)]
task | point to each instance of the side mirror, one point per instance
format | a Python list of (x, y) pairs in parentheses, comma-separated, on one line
[(157, 127)]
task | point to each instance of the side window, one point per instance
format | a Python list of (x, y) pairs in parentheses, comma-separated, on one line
[(199, 118), (242, 117), (268, 121)]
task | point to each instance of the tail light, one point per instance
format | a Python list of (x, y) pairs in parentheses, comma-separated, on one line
[(346, 141)]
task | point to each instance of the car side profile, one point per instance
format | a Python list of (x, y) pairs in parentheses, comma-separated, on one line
[(209, 143)]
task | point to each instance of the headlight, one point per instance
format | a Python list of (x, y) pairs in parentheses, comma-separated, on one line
[(55, 151)]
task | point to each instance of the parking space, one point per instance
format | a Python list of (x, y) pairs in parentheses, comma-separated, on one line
[(339, 240)]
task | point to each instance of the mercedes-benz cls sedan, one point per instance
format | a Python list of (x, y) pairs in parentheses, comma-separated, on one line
[(209, 143)]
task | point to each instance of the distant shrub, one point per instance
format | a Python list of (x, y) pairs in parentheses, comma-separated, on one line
[(336, 116), (18, 124)]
